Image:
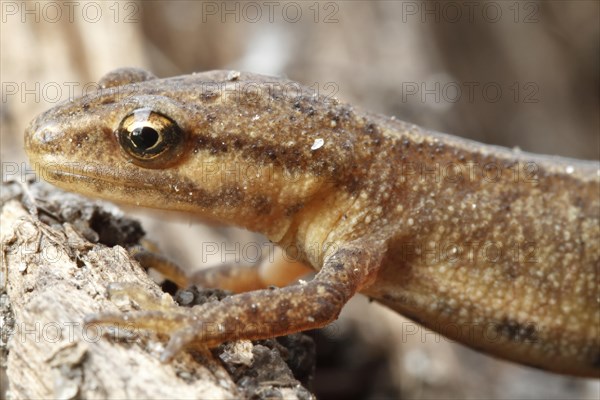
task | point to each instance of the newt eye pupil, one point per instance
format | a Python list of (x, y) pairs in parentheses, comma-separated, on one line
[(150, 139), (144, 137)]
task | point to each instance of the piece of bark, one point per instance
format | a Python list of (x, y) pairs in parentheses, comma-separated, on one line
[(56, 268)]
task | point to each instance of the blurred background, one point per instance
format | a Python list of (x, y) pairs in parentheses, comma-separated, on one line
[(522, 74)]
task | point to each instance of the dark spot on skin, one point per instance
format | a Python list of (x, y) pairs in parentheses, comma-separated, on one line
[(371, 129), (285, 304), (338, 266), (218, 146), (325, 310), (271, 153), (515, 331), (508, 198), (510, 164), (209, 95), (283, 320), (445, 308), (512, 272), (261, 204), (107, 100), (237, 144), (274, 95), (201, 143), (80, 138), (293, 209), (335, 117), (347, 111), (353, 185), (229, 322), (214, 145)]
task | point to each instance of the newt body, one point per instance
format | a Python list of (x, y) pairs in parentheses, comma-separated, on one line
[(495, 248)]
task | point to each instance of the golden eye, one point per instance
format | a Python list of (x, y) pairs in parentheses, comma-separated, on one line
[(151, 139)]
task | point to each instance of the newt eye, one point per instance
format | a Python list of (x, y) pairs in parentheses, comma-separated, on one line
[(151, 139)]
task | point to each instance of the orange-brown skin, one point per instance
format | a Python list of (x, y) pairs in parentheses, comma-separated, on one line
[(495, 248)]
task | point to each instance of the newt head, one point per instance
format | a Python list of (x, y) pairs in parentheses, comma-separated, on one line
[(127, 141), (194, 143)]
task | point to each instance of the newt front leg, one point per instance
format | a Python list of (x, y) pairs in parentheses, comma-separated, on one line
[(260, 314)]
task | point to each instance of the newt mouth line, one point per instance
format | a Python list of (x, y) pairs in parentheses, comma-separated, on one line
[(71, 175), (129, 186)]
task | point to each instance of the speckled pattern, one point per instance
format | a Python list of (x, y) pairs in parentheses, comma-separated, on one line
[(495, 248)]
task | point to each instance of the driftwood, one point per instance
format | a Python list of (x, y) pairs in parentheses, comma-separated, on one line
[(59, 254)]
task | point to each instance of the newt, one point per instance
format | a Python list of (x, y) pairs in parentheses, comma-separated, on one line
[(495, 248)]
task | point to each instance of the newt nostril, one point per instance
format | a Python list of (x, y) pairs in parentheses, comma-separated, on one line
[(44, 135), (47, 134)]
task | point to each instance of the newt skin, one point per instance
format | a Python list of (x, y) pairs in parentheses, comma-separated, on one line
[(495, 248)]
